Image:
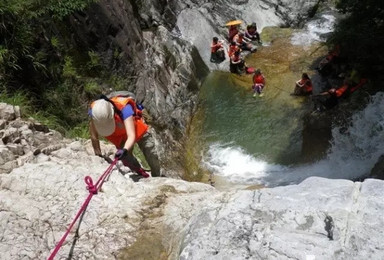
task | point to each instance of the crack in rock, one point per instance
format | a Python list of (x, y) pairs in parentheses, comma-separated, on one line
[(329, 226)]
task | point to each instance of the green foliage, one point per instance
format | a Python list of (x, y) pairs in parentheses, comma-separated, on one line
[(18, 98), (50, 120), (26, 26), (116, 53), (21, 99), (91, 88), (8, 60), (81, 130), (61, 9), (42, 68), (69, 71), (55, 42), (117, 83), (361, 34), (94, 61), (67, 103)]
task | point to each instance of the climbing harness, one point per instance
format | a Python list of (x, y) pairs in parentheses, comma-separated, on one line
[(93, 189)]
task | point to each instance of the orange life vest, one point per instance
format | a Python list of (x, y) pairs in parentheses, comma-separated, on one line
[(342, 90), (258, 79), (232, 49), (235, 58), (238, 39), (119, 136), (215, 47)]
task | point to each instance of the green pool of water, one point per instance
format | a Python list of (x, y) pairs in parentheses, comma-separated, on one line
[(270, 127), (266, 127)]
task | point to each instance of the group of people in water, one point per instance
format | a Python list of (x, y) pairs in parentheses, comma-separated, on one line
[(244, 41), (239, 42), (329, 66), (331, 97)]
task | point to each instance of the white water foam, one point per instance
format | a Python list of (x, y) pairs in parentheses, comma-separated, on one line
[(314, 30), (353, 154)]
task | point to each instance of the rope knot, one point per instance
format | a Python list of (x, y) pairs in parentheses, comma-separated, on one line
[(92, 188)]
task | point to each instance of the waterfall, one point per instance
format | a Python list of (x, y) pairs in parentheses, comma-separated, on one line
[(353, 154), (315, 30)]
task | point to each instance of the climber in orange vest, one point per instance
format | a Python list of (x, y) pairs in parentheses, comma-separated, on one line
[(119, 120), (303, 86)]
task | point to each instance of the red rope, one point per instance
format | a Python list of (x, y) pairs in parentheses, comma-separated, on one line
[(93, 189)]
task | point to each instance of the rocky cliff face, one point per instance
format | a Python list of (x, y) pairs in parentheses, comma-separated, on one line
[(160, 66), (163, 48)]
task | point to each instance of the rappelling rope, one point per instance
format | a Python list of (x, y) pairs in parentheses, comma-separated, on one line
[(93, 189)]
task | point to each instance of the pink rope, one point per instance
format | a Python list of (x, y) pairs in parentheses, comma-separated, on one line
[(93, 189)]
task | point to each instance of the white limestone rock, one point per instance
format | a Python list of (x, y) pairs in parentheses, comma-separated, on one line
[(326, 219), (39, 201), (6, 155), (8, 112), (319, 218)]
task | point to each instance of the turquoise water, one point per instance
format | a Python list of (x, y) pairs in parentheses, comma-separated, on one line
[(248, 141), (243, 140), (268, 128)]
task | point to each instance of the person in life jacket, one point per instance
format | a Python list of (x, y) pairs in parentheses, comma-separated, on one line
[(232, 49), (330, 98), (251, 33), (325, 100), (119, 120), (258, 83), (236, 64), (217, 50), (303, 86), (232, 31), (242, 44)]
